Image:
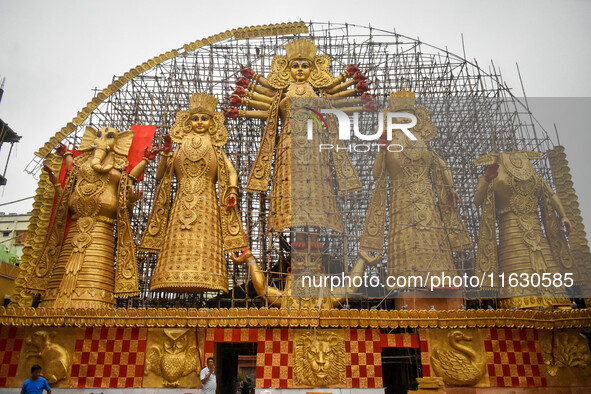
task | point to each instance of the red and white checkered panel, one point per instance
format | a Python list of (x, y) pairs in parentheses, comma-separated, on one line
[(275, 358), (110, 357), (11, 344), (400, 340), (513, 357), (425, 357), (364, 358)]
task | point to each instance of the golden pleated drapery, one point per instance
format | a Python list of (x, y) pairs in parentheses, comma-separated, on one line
[(95, 280)]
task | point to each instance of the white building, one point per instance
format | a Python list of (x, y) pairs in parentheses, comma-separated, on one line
[(13, 230)]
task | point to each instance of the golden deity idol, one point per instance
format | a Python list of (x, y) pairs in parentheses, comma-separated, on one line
[(510, 193), (300, 74), (77, 265), (191, 237), (425, 226)]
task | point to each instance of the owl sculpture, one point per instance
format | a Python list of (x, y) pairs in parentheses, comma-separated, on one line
[(174, 358)]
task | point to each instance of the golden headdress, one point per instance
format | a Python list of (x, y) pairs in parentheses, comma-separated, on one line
[(404, 100), (201, 103), (320, 77), (300, 49), (489, 158)]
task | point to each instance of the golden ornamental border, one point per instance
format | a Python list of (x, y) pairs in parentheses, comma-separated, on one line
[(238, 34), (304, 318)]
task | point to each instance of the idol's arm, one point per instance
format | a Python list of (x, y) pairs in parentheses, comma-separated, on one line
[(139, 168), (240, 113), (259, 279), (558, 207), (69, 159), (232, 174), (481, 189)]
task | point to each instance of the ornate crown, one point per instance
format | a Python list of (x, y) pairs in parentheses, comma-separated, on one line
[(402, 99), (300, 49), (203, 103)]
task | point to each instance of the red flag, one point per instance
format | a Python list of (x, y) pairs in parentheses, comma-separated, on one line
[(142, 139)]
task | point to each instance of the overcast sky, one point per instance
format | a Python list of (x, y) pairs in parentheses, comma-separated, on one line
[(53, 53)]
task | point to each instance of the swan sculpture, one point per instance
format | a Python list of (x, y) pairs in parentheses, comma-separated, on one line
[(460, 365)]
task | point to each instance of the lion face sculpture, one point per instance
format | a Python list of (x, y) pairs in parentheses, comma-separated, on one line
[(319, 359)]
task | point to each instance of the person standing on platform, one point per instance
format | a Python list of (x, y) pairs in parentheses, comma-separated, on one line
[(36, 383), (207, 377)]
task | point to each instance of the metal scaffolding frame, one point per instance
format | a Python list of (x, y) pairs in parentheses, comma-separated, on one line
[(473, 109)]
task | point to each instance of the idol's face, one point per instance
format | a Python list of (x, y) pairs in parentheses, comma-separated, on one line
[(200, 123), (300, 70)]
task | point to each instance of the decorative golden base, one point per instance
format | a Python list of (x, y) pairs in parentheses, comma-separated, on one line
[(306, 318)]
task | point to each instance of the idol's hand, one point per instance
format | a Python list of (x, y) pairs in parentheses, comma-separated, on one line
[(239, 91), (235, 101), (133, 195), (247, 72), (243, 82), (492, 171), (231, 112), (231, 201), (359, 76), (167, 146), (50, 173), (370, 107), (61, 149), (454, 198), (362, 87), (151, 153), (567, 225), (352, 69)]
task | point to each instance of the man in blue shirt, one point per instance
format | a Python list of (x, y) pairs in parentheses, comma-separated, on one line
[(36, 383)]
